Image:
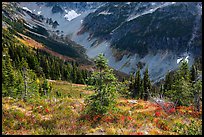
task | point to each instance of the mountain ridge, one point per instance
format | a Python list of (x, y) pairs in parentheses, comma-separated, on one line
[(151, 40)]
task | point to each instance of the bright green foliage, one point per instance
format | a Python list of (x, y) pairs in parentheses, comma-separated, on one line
[(9, 76), (182, 86), (191, 129), (197, 92), (18, 83), (184, 71), (105, 89), (101, 62), (45, 88), (123, 89), (178, 87), (180, 92), (42, 63)]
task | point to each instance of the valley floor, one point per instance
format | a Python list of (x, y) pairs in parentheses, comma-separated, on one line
[(64, 115)]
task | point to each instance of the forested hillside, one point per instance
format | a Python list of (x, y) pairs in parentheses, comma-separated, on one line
[(21, 64)]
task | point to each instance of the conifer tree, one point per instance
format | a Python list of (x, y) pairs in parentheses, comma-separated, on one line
[(137, 84), (184, 70), (181, 89), (193, 74), (196, 87), (197, 92), (180, 93), (104, 98), (168, 82), (8, 75), (142, 89), (74, 73), (146, 84), (131, 84)]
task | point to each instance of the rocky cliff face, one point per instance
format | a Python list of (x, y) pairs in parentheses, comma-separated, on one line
[(131, 35), (145, 27), (153, 34)]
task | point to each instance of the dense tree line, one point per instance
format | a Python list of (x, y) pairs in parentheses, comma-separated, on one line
[(182, 86), (21, 62), (140, 88)]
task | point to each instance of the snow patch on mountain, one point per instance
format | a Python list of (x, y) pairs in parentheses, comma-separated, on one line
[(25, 8), (71, 15), (72, 27), (179, 60), (39, 12), (104, 13), (69, 22)]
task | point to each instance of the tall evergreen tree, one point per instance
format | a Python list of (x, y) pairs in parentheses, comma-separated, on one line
[(131, 84), (104, 98), (184, 70), (197, 92), (8, 75), (146, 84), (181, 90), (193, 74), (142, 89), (137, 84), (74, 73), (168, 81), (196, 87)]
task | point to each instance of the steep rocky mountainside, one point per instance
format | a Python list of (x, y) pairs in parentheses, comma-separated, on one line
[(150, 27), (131, 35), (22, 22)]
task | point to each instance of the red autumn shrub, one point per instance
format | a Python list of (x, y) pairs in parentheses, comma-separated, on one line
[(172, 110), (155, 120), (157, 114), (46, 110), (129, 118), (158, 108), (139, 133)]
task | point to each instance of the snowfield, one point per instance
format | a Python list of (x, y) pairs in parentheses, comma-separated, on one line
[(71, 15)]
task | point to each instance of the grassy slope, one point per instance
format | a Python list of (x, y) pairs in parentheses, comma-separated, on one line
[(34, 44), (61, 115)]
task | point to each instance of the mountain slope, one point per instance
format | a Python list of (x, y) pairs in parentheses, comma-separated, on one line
[(23, 21), (154, 34)]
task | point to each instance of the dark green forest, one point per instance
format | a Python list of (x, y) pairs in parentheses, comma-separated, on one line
[(22, 64)]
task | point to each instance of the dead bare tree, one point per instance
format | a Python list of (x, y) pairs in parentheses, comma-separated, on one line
[(165, 105)]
